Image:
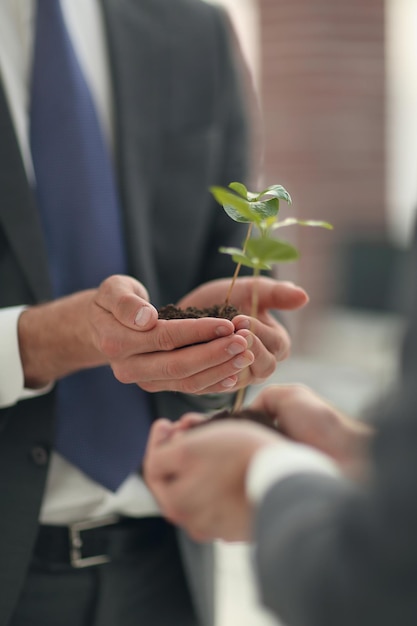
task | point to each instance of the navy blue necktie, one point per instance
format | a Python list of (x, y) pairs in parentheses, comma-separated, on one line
[(102, 425)]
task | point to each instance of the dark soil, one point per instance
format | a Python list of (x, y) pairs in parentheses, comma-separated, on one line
[(244, 414), (172, 312), (226, 311)]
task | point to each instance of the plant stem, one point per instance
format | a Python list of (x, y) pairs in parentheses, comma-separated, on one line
[(240, 396), (255, 294), (238, 266)]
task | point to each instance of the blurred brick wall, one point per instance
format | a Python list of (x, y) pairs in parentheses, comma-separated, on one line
[(322, 90)]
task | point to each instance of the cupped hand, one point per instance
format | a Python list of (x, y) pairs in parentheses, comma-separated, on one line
[(194, 356), (198, 475), (269, 340), (305, 417)]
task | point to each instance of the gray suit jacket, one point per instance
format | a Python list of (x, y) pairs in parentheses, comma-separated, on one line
[(331, 554), (180, 127)]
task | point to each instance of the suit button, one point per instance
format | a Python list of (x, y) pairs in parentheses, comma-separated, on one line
[(39, 455)]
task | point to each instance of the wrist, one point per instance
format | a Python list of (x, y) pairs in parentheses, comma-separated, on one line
[(55, 340), (274, 463), (354, 456)]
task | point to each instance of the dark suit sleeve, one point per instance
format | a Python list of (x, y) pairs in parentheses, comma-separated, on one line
[(332, 554)]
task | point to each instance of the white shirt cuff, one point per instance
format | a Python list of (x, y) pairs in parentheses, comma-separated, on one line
[(11, 377), (274, 463)]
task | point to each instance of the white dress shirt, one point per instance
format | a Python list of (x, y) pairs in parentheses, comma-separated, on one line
[(276, 462), (70, 495)]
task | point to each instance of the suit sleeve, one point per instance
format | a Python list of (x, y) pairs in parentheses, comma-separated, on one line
[(330, 553)]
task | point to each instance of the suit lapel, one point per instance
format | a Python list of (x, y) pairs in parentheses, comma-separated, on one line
[(138, 58), (137, 54), (18, 214)]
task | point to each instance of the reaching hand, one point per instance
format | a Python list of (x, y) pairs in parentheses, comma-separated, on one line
[(306, 418), (198, 476)]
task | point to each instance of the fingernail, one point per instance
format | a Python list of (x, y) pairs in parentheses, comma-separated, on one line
[(223, 331), (242, 362), (243, 324), (249, 340), (281, 353), (143, 316), (229, 382), (235, 348)]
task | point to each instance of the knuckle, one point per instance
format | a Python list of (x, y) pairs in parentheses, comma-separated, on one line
[(105, 285), (150, 386), (172, 370), (300, 389), (122, 305), (293, 391), (122, 373), (186, 387), (191, 386), (109, 345), (260, 374), (164, 340), (270, 368), (283, 350)]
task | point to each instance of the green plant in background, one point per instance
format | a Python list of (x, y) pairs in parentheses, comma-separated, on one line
[(260, 211)]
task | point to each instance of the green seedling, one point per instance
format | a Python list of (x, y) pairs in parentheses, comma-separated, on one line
[(260, 211)]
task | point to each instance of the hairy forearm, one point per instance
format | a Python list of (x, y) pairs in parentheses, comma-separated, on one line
[(55, 339)]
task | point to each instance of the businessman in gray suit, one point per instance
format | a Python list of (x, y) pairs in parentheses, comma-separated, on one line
[(147, 114), (329, 502)]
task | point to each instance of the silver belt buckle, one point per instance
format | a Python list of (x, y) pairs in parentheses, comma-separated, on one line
[(76, 542)]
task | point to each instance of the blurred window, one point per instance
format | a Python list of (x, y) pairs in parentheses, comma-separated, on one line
[(401, 21)]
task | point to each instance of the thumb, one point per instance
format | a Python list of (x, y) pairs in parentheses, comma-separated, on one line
[(128, 301), (161, 432), (283, 295), (189, 420), (153, 462)]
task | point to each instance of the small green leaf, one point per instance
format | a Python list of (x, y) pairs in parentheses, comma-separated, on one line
[(236, 207), (239, 256), (268, 223), (254, 262), (226, 250), (291, 220), (277, 191), (240, 189), (271, 250), (265, 209), (237, 215)]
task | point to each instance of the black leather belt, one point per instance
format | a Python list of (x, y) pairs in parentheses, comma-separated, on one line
[(94, 542)]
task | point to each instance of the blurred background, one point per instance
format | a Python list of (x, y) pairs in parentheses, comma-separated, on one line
[(337, 90)]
